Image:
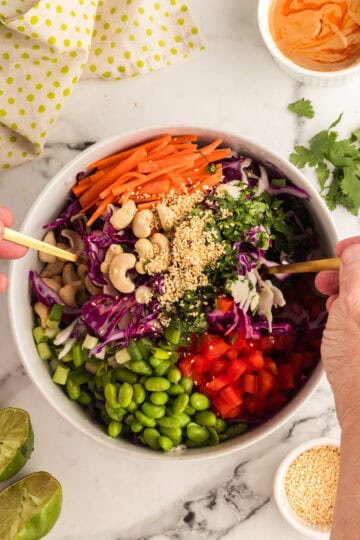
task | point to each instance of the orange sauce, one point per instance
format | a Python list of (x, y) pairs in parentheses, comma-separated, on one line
[(322, 35)]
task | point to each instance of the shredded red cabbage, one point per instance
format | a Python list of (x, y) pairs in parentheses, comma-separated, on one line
[(49, 297)]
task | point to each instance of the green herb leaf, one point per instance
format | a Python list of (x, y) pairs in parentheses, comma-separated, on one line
[(302, 107), (355, 136)]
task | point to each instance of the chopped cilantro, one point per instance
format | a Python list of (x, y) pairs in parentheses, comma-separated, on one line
[(302, 107), (337, 166), (211, 168)]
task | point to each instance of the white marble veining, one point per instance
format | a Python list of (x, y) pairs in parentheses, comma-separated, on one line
[(233, 85)]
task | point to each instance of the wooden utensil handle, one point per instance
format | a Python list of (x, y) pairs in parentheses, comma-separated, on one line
[(307, 266), (39, 245)]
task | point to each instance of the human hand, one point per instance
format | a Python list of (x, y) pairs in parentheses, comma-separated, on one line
[(8, 250), (340, 349)]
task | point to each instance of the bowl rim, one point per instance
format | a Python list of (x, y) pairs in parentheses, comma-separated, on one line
[(263, 20), (99, 149), (279, 486)]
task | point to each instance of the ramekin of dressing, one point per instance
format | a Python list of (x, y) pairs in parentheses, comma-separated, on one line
[(315, 41)]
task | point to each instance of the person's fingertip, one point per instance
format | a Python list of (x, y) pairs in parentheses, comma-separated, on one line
[(330, 301), (340, 246), (6, 216), (327, 282), (3, 283), (2, 227)]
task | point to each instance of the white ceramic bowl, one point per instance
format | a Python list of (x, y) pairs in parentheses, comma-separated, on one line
[(280, 494), (306, 76), (48, 206)]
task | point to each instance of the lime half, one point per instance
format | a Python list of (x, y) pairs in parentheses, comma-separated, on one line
[(16, 441), (30, 507)]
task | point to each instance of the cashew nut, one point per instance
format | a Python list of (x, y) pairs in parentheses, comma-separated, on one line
[(140, 267), (68, 293), (64, 246), (82, 271), (53, 284), (49, 238), (91, 287), (160, 242), (143, 223), (52, 269), (166, 215), (43, 313), (112, 251), (122, 217), (117, 272), (143, 294), (68, 274), (77, 244), (144, 249)]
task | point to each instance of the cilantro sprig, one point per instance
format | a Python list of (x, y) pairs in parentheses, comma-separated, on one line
[(337, 166), (302, 107)]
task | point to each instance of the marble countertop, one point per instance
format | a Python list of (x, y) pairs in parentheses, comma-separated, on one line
[(233, 85)]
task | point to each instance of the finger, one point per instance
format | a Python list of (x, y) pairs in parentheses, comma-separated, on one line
[(339, 248), (3, 283), (9, 250), (330, 301), (2, 230), (6, 216), (327, 282), (349, 280)]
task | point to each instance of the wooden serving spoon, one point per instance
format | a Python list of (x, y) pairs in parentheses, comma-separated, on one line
[(307, 266), (28, 241)]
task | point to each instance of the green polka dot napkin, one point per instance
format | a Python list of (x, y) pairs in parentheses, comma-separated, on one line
[(46, 46)]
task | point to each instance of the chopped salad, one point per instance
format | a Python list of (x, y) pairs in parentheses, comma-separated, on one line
[(167, 330)]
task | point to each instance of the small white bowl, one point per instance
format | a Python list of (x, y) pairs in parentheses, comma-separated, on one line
[(279, 489), (306, 76)]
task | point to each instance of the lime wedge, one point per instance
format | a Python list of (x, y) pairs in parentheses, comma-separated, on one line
[(30, 507), (16, 441)]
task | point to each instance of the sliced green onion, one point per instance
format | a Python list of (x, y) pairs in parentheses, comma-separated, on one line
[(61, 375), (39, 335), (90, 342), (44, 351), (122, 356)]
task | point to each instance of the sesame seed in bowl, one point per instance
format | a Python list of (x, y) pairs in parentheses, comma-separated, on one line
[(305, 487)]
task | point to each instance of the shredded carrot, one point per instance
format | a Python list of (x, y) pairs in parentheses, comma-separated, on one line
[(183, 158), (184, 138), (122, 180), (99, 211), (157, 187)]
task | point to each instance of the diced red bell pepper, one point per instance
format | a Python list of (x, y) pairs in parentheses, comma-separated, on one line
[(186, 366), (286, 377), (296, 360), (266, 382), (275, 401), (224, 304), (256, 360), (232, 353), (202, 363), (219, 366), (238, 339), (222, 406), (232, 394), (213, 346), (204, 389), (267, 343), (199, 378), (236, 368), (270, 365), (218, 382), (249, 383), (254, 405), (236, 411)]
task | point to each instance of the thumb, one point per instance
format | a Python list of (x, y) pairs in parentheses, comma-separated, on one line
[(1, 230), (349, 281)]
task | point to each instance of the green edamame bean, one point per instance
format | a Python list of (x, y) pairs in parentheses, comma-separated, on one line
[(236, 429), (135, 426), (173, 433), (187, 384), (140, 367), (114, 428), (139, 393), (190, 410), (166, 346), (143, 379), (145, 347), (125, 394), (197, 433), (145, 420), (110, 392), (174, 357), (155, 362), (115, 414), (220, 425), (157, 384), (205, 418), (214, 436), (165, 443), (159, 398), (168, 422), (200, 402), (175, 390), (124, 375), (132, 407), (84, 398), (183, 419), (163, 367), (174, 375), (73, 389), (129, 418), (134, 351), (150, 437), (154, 411), (160, 353), (193, 444), (180, 404)]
